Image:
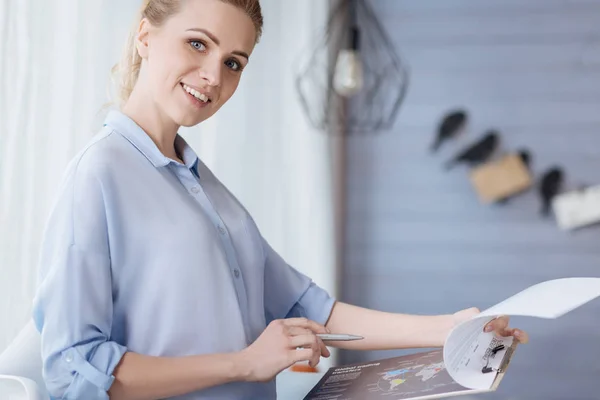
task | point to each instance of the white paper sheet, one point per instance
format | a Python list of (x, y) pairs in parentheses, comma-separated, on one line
[(466, 345), (550, 299)]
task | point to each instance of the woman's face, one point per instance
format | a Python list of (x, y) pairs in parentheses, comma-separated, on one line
[(194, 61)]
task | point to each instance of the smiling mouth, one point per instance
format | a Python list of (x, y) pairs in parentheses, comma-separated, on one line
[(196, 94)]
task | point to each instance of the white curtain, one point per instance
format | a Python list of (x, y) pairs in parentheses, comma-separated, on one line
[(55, 58)]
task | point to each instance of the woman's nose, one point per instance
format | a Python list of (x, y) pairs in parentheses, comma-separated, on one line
[(211, 73)]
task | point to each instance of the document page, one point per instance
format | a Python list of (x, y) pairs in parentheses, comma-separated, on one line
[(550, 299), (468, 349)]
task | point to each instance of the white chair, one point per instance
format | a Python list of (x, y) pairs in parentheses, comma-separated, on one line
[(21, 368)]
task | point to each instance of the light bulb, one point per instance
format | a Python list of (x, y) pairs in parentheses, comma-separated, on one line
[(348, 78), (348, 74)]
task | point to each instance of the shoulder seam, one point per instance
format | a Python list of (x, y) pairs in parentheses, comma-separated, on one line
[(75, 170)]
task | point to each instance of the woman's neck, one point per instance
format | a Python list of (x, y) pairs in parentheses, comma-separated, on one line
[(161, 129)]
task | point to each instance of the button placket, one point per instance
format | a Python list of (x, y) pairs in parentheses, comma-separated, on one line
[(196, 190)]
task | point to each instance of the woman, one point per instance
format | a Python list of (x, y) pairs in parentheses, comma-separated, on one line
[(156, 282)]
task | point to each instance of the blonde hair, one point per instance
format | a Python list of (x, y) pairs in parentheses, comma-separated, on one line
[(126, 72)]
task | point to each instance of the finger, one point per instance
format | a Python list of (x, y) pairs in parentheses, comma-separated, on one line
[(304, 341), (498, 324), (316, 356), (311, 343), (504, 332), (324, 350), (518, 334), (521, 336), (316, 349), (298, 355), (306, 323), (297, 331)]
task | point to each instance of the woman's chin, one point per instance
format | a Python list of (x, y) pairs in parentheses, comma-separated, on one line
[(188, 119), (189, 122)]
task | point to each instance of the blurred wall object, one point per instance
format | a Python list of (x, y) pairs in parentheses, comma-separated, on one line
[(362, 93), (550, 184), (525, 157), (451, 125), (259, 144), (478, 152), (578, 208), (501, 179)]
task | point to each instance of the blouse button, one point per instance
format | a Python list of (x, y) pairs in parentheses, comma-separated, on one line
[(236, 273), (195, 189)]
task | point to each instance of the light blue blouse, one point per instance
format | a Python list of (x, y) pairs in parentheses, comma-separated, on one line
[(142, 253)]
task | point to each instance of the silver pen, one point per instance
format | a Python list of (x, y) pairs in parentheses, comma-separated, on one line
[(338, 337)]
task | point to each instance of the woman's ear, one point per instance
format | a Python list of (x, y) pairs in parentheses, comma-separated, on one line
[(141, 38)]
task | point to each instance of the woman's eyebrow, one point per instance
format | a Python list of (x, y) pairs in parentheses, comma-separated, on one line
[(217, 42)]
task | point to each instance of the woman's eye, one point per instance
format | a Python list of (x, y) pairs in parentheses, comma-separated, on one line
[(197, 45), (233, 64)]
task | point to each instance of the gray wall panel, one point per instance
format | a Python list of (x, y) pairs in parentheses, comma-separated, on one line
[(417, 238)]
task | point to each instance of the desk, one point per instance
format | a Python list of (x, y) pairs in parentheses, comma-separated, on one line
[(296, 385)]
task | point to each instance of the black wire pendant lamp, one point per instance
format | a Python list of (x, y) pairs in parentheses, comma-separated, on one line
[(353, 82)]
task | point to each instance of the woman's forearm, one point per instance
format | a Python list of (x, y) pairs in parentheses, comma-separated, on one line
[(140, 377), (386, 331)]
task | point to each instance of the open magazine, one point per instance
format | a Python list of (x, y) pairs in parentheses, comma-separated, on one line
[(471, 361)]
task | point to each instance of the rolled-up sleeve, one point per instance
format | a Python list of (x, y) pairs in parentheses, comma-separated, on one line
[(73, 305), (289, 293)]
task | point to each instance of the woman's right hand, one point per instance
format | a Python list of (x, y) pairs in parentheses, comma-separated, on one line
[(283, 343)]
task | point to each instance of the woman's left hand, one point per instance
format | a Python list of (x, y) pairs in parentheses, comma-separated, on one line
[(500, 324)]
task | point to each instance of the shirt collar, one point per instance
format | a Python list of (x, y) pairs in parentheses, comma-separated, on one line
[(140, 139), (189, 156)]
